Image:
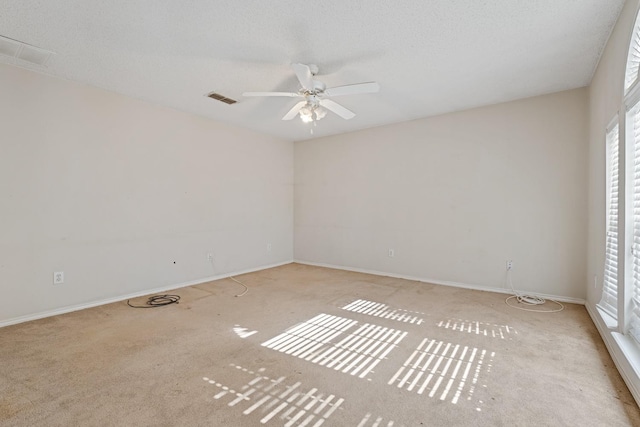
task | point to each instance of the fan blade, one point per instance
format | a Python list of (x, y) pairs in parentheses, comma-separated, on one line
[(304, 75), (369, 87), (337, 108), (289, 94), (294, 111)]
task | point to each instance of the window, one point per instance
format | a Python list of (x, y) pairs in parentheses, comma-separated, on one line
[(633, 59), (609, 302), (621, 278), (620, 298), (633, 121)]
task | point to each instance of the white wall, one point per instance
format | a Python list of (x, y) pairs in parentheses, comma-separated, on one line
[(455, 196), (606, 100), (124, 196)]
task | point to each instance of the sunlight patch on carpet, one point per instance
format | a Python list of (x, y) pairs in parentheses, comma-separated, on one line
[(369, 420), (443, 370), (479, 328), (339, 343), (383, 311), (278, 400), (243, 332)]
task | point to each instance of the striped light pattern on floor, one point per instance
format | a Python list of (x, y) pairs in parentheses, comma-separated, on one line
[(479, 328), (378, 309), (243, 332), (277, 401), (443, 370), (369, 420), (338, 343)]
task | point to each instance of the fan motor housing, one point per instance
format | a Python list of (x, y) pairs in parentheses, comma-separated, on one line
[(313, 100), (318, 86)]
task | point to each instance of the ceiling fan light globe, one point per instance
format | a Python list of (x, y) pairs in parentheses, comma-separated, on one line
[(306, 114)]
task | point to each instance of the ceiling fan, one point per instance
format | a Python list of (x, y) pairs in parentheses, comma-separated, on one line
[(316, 96)]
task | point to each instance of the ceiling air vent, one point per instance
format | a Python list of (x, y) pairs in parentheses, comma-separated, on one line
[(23, 53), (221, 98)]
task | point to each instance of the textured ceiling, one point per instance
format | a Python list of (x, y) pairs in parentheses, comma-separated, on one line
[(430, 57)]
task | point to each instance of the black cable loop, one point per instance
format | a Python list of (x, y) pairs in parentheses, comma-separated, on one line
[(158, 301)]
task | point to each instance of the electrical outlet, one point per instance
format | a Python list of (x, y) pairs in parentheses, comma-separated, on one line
[(210, 256), (392, 253), (509, 265), (268, 247), (595, 281), (58, 277)]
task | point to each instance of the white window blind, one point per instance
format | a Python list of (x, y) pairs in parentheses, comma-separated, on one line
[(633, 58), (609, 301), (633, 119)]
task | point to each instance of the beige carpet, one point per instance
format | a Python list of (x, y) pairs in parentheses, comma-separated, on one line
[(309, 346)]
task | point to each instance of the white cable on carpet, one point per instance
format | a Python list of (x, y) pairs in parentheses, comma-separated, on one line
[(530, 300), (246, 288)]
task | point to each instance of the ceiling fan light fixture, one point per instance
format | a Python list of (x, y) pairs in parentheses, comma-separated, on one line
[(306, 114), (315, 95), (320, 113)]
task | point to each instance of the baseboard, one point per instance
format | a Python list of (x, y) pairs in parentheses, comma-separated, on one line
[(68, 309), (439, 282), (622, 351), (77, 307)]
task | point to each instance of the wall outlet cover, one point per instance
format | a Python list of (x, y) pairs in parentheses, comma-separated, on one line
[(58, 277)]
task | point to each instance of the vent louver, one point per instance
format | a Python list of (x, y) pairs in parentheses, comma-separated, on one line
[(23, 53), (221, 98)]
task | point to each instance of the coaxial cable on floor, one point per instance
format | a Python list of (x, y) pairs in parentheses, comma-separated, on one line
[(158, 301)]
